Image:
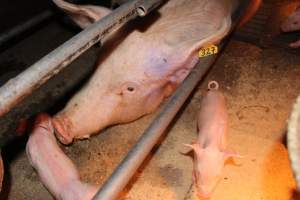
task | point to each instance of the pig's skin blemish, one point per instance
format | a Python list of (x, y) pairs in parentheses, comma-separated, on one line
[(165, 60)]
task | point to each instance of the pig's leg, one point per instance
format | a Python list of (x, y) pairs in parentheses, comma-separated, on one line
[(56, 171)]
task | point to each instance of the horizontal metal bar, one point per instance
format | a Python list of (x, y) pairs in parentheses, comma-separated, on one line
[(129, 165), (15, 90), (19, 29)]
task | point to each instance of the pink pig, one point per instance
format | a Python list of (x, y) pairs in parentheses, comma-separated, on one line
[(210, 151)]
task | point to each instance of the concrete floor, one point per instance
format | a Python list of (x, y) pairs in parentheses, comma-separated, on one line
[(260, 86)]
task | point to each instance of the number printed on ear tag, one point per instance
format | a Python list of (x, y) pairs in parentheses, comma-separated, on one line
[(208, 51)]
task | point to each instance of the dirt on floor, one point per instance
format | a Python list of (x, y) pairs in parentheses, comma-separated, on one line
[(260, 86)]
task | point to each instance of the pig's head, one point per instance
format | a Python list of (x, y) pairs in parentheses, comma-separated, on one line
[(125, 86), (134, 78), (292, 23), (208, 165), (116, 93)]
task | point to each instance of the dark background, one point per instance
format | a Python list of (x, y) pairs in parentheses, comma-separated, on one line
[(14, 12)]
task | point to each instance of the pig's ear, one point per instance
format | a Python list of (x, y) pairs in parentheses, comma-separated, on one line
[(196, 32), (83, 15), (195, 147), (228, 153)]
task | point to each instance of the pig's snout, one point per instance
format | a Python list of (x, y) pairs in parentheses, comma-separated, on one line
[(62, 131), (204, 189), (203, 195)]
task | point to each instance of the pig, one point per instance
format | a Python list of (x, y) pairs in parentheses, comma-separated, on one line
[(55, 169), (210, 151), (292, 23), (144, 67)]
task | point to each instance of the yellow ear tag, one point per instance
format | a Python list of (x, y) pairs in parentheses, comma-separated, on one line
[(208, 51)]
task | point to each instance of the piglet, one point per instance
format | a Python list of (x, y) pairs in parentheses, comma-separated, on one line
[(57, 172), (292, 23), (210, 151)]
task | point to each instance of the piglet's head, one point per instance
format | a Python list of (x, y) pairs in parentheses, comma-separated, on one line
[(208, 165)]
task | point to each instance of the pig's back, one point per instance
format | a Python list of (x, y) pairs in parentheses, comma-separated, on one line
[(212, 120)]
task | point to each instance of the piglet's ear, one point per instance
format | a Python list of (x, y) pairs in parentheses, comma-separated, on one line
[(195, 147), (83, 15), (230, 153)]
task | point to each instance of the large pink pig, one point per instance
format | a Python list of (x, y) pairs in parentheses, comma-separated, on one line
[(145, 67), (210, 151)]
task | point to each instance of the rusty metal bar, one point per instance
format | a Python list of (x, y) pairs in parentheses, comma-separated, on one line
[(126, 169), (15, 90)]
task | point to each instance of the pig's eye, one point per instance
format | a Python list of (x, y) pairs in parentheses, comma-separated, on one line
[(130, 89)]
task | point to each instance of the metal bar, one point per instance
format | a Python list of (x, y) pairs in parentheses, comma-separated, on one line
[(19, 29), (126, 169), (15, 90)]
